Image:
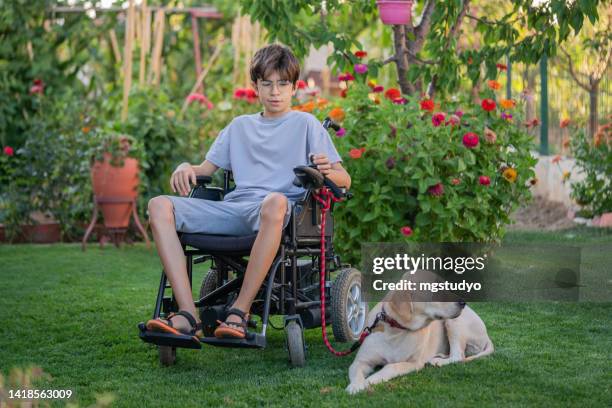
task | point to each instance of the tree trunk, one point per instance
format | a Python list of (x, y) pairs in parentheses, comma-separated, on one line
[(401, 59), (593, 114)]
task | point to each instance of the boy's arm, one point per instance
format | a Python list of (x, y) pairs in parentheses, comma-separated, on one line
[(186, 173)]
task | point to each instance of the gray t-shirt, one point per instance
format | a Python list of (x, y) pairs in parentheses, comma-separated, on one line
[(262, 152)]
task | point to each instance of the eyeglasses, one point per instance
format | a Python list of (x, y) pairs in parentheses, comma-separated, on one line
[(281, 84)]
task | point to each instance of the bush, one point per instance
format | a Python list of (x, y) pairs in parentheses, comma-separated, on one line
[(594, 193), (427, 173)]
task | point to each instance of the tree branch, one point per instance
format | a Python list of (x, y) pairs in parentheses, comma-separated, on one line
[(422, 29), (572, 72)]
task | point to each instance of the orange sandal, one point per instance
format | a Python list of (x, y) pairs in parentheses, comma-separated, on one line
[(225, 331), (166, 326)]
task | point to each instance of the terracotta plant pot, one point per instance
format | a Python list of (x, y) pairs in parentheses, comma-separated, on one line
[(395, 12), (119, 184), (41, 233)]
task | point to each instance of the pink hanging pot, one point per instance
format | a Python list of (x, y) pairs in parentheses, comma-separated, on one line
[(395, 12)]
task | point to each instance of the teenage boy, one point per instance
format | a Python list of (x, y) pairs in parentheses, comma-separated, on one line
[(261, 150)]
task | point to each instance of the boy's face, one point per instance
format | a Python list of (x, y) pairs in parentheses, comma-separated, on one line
[(275, 94)]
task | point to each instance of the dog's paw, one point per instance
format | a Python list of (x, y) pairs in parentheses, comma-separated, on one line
[(354, 388), (438, 361)]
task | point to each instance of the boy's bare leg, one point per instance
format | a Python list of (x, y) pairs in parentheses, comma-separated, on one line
[(273, 210), (161, 217)]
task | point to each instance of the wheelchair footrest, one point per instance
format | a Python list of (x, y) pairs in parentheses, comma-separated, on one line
[(167, 339), (253, 340)]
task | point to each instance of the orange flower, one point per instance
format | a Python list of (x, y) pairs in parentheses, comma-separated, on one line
[(86, 129), (493, 84), (566, 175), (307, 107), (337, 114), (510, 175), (355, 153), (322, 102), (566, 143), (564, 123), (507, 103), (556, 159)]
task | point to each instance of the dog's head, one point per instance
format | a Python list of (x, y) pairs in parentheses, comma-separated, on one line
[(416, 315)]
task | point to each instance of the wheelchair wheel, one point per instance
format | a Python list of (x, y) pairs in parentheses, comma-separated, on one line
[(167, 355), (295, 344), (348, 310), (209, 283)]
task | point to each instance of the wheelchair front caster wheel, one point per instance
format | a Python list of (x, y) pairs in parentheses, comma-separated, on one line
[(348, 310), (295, 344), (167, 355)]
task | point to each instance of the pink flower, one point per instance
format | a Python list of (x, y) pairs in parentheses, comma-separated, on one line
[(454, 120), (506, 116), (341, 132), (470, 140), (436, 190), (406, 231), (455, 181), (8, 150), (437, 119), (38, 87), (459, 113), (484, 180), (361, 68), (301, 84), (400, 101), (490, 136), (378, 88)]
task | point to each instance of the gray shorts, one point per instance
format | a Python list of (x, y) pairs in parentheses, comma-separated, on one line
[(198, 216)]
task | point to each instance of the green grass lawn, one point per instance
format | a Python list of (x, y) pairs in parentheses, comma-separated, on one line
[(74, 314)]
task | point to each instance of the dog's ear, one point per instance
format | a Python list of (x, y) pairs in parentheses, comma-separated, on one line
[(399, 306)]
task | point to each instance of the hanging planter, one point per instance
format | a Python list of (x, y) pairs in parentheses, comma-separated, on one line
[(395, 12)]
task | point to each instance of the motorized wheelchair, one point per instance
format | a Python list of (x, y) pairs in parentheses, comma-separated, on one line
[(291, 287)]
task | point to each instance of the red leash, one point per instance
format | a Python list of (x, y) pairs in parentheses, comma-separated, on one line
[(325, 198)]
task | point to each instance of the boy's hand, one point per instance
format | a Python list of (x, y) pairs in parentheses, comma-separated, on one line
[(179, 181), (322, 162)]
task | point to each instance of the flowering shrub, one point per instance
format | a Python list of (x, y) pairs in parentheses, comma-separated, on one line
[(594, 193), (425, 172)]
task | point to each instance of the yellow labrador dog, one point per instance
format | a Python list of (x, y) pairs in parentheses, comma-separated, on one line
[(412, 334)]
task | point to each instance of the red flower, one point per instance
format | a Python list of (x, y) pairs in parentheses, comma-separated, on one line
[(301, 84), (484, 180), (361, 54), (393, 93), (201, 99), (346, 77), (436, 190), (488, 104), (533, 122), (355, 153), (501, 67), (8, 150), (406, 231), (470, 140), (343, 93), (565, 123), (378, 88), (400, 101), (239, 93), (437, 119), (427, 105)]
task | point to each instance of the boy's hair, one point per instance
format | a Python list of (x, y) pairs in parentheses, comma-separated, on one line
[(272, 58)]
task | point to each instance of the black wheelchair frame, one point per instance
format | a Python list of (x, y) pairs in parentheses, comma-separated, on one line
[(291, 287)]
